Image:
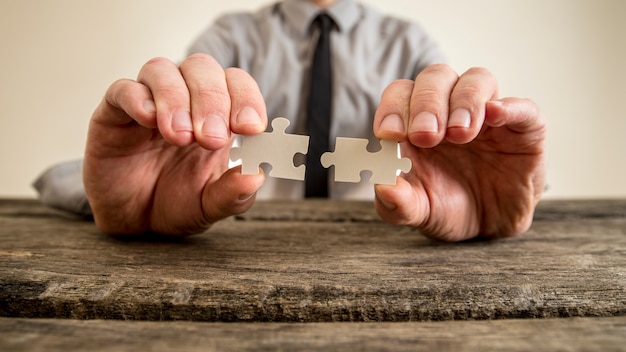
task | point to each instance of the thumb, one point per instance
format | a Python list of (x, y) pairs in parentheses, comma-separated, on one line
[(233, 193), (400, 204)]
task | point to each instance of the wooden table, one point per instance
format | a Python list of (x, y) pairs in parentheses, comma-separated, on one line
[(356, 282)]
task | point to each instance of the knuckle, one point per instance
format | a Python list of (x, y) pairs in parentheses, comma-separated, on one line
[(242, 87), (401, 85), (120, 86), (482, 71), (210, 94), (199, 59), (238, 80), (428, 94), (439, 70), (235, 71), (476, 85), (157, 62), (427, 99), (468, 93), (167, 90), (396, 95)]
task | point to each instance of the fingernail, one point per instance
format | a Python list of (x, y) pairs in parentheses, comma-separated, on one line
[(248, 116), (149, 106), (181, 121), (460, 118), (245, 197), (392, 123), (425, 122), (214, 126), (386, 204)]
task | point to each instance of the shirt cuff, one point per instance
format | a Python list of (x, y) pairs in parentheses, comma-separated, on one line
[(61, 187)]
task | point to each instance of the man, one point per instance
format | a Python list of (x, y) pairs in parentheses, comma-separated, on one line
[(157, 151)]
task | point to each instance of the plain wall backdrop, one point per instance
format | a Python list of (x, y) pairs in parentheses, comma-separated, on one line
[(59, 56)]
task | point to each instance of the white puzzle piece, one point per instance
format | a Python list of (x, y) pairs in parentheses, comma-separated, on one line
[(275, 148), (351, 157)]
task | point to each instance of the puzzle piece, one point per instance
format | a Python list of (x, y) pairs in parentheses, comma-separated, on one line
[(351, 157), (275, 148)]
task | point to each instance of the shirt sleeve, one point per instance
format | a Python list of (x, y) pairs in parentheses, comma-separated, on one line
[(219, 40), (422, 48), (429, 50), (61, 187), (405, 43), (431, 54)]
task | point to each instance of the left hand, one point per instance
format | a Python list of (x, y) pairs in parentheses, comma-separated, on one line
[(478, 161)]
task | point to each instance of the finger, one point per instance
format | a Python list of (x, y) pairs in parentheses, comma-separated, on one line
[(392, 113), (400, 204), (520, 115), (234, 193), (248, 113), (467, 104), (429, 105), (210, 101), (125, 101), (171, 98)]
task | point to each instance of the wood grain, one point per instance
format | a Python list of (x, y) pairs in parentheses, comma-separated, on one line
[(570, 334), (313, 262)]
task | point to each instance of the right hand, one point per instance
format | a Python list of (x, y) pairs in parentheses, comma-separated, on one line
[(157, 151)]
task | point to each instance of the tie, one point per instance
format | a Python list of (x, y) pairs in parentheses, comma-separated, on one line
[(318, 112)]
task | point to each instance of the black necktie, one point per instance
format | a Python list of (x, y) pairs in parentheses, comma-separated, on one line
[(318, 112)]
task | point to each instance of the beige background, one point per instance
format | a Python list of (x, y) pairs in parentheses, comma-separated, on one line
[(59, 56)]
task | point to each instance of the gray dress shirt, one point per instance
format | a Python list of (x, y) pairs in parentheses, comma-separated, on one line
[(275, 45)]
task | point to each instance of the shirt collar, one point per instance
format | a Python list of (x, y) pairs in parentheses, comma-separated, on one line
[(299, 14)]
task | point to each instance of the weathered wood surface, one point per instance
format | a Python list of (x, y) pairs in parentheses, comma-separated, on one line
[(570, 334), (313, 262)]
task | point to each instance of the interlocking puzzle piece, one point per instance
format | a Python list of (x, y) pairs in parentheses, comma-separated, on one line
[(275, 148), (351, 157)]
